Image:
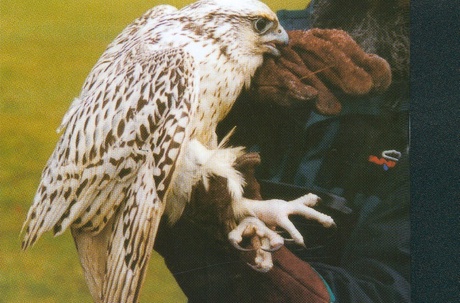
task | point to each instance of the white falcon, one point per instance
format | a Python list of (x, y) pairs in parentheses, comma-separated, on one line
[(142, 134)]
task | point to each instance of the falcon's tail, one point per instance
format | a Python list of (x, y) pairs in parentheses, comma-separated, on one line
[(92, 250), (115, 260), (131, 241)]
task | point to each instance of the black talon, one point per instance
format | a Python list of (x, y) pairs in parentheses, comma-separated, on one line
[(237, 246)]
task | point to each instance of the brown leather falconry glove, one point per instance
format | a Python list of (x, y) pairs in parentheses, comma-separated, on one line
[(315, 65)]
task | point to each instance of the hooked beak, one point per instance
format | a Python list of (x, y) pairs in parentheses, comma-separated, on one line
[(278, 36)]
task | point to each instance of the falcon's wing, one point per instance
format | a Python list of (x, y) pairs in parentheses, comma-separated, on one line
[(132, 119)]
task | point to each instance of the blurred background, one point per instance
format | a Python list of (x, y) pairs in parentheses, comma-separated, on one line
[(46, 50)]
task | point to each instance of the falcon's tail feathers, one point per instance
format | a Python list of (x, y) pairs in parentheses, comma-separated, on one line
[(131, 241)]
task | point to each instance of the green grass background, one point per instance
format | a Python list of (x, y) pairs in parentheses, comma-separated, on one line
[(46, 50)]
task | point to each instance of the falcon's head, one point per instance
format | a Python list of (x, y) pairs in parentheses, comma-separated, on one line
[(242, 27)]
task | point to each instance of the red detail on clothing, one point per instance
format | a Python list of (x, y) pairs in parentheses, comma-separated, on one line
[(382, 161)]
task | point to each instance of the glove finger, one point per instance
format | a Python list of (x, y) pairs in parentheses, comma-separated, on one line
[(297, 90), (333, 64), (293, 82), (377, 67), (280, 80), (326, 103), (279, 76), (267, 75), (293, 62), (287, 92), (380, 71), (272, 94)]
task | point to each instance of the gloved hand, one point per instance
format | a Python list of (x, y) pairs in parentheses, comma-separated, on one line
[(315, 65)]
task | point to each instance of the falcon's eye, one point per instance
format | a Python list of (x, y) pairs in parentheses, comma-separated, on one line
[(261, 25)]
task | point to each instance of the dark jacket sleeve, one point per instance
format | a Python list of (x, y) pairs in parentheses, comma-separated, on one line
[(375, 266)]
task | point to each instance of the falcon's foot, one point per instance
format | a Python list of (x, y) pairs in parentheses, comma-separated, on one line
[(275, 213)]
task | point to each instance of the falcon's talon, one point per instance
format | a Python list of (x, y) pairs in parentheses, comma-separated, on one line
[(240, 248), (264, 241), (327, 222)]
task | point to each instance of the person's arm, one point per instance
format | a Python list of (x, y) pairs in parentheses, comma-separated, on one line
[(375, 266), (209, 270)]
